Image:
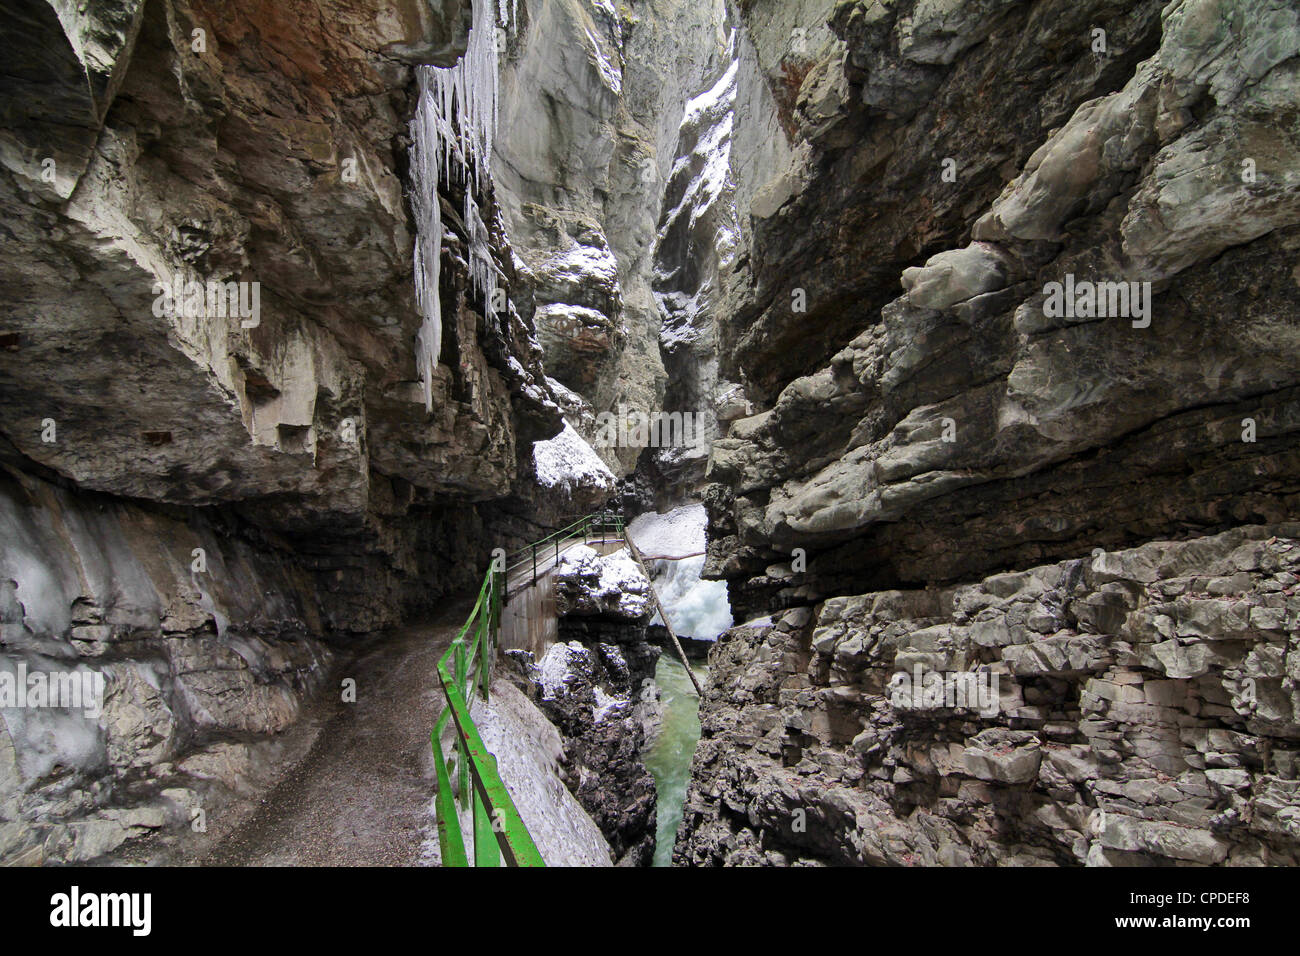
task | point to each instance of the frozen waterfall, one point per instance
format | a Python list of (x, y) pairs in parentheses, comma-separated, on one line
[(451, 136), (696, 608)]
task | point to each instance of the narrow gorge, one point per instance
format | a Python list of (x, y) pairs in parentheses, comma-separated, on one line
[(650, 433)]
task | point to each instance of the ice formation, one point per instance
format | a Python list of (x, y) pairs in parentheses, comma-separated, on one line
[(452, 134), (696, 608), (678, 532)]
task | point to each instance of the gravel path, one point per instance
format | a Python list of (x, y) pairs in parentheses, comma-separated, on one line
[(361, 796)]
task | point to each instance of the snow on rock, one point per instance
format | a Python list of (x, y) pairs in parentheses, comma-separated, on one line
[(590, 268), (713, 112), (608, 705), (590, 695), (577, 410), (569, 463), (559, 665), (587, 584), (572, 321), (677, 532)]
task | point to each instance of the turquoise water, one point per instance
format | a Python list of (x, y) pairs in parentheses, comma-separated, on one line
[(669, 759)]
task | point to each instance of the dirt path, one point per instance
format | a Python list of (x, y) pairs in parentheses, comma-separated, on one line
[(361, 796)]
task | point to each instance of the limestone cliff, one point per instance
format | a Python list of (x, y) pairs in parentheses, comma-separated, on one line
[(936, 177), (593, 95), (194, 499)]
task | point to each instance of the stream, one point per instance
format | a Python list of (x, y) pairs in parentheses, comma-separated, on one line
[(669, 758)]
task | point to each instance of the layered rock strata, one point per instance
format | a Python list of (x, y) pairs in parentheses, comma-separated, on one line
[(1015, 286), (1142, 708)]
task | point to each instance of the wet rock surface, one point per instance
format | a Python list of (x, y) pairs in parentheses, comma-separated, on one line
[(926, 387), (925, 411), (601, 696)]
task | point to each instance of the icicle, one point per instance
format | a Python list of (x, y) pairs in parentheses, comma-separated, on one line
[(428, 241), (456, 117)]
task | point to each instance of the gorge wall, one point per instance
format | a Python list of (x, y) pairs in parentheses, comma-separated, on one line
[(947, 470), (594, 95), (838, 234), (195, 504)]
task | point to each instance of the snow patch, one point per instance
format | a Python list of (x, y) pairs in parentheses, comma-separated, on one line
[(676, 532), (583, 265), (566, 319), (528, 750), (568, 462), (607, 705), (556, 668)]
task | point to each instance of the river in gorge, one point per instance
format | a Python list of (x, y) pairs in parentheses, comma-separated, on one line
[(669, 757)]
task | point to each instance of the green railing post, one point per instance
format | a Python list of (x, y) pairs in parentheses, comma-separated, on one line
[(462, 764), (486, 851), (450, 839)]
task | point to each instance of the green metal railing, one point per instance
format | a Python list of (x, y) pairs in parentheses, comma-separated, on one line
[(600, 526), (465, 671)]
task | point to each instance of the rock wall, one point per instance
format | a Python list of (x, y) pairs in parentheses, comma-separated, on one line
[(596, 684), (1143, 710), (694, 255), (953, 426), (593, 94), (592, 691), (926, 416), (191, 663), (145, 146)]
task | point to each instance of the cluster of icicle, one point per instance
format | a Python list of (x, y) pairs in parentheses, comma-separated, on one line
[(451, 135)]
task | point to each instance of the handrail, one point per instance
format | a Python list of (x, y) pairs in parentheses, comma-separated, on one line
[(588, 524), (465, 670)]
